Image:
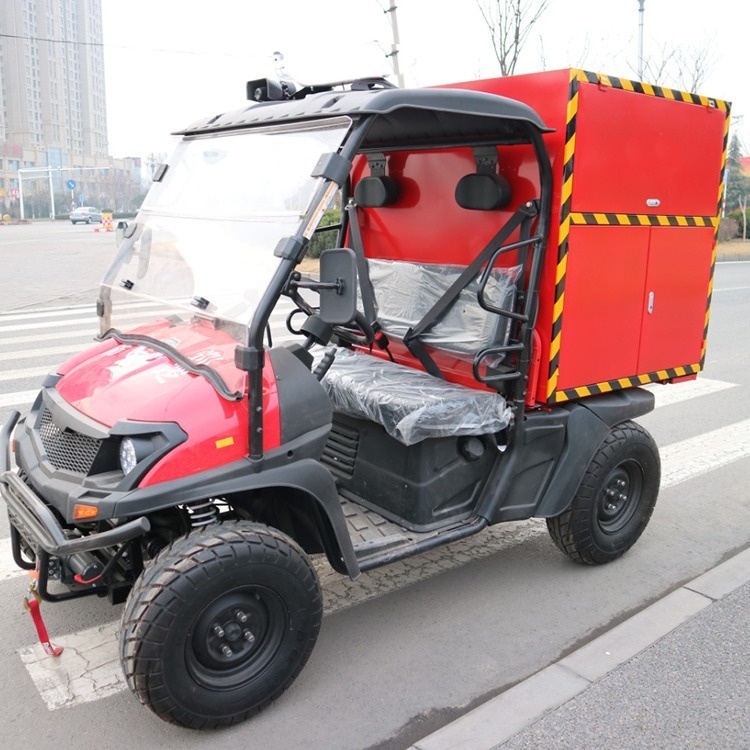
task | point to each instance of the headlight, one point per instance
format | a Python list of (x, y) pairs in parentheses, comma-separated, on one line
[(128, 457)]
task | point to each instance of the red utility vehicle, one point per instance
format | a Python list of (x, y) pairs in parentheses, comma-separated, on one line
[(512, 259)]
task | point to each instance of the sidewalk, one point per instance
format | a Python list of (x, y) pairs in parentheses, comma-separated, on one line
[(676, 675)]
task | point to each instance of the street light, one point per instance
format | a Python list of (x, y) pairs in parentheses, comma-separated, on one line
[(641, 3)]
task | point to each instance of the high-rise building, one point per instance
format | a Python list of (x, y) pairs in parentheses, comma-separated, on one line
[(52, 92)]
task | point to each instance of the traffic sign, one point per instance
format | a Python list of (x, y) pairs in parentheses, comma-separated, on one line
[(71, 184)]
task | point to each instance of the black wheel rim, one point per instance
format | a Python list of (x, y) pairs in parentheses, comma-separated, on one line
[(618, 499), (236, 637)]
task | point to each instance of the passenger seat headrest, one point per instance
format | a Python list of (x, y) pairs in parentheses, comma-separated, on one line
[(483, 192), (376, 192)]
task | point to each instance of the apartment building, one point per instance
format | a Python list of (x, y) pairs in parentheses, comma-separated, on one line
[(53, 105)]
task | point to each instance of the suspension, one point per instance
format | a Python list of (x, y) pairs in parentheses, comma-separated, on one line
[(202, 513)]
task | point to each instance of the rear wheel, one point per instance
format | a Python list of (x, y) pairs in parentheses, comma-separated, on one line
[(220, 624), (614, 501)]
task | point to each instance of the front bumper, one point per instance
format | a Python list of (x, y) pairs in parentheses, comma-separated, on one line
[(37, 523)]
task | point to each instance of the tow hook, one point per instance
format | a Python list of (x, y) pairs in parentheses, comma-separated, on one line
[(32, 605)]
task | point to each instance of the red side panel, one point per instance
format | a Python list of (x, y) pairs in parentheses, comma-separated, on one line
[(679, 272), (641, 154), (603, 304)]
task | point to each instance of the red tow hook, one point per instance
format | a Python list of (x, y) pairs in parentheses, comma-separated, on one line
[(32, 605)]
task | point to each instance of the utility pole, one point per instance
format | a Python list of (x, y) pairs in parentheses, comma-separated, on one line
[(395, 45), (641, 3)]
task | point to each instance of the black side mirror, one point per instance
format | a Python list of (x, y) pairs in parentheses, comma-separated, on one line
[(338, 292)]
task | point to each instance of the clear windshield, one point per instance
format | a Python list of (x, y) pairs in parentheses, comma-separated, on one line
[(201, 250)]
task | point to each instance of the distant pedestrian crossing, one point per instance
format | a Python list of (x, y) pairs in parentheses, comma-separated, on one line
[(35, 341)]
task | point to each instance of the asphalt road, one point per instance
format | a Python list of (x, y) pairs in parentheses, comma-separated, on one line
[(407, 648)]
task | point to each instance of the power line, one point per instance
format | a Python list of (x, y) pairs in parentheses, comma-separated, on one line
[(115, 46)]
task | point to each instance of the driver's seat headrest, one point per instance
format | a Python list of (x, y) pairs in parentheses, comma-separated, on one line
[(376, 192)]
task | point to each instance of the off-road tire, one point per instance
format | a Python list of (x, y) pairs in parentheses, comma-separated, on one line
[(203, 593), (615, 499)]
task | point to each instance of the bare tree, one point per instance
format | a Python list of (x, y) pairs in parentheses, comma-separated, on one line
[(693, 66), (509, 23), (680, 67)]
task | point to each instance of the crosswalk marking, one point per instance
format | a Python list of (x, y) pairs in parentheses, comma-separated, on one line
[(26, 372), (49, 351), (667, 395), (89, 668), (18, 399)]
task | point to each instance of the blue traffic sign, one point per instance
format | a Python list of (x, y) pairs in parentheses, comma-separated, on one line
[(71, 184)]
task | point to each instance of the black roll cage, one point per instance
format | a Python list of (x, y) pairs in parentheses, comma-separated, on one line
[(251, 356)]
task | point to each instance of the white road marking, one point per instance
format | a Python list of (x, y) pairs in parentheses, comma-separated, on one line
[(49, 351), (51, 336), (60, 323), (87, 670), (8, 568), (26, 372), (89, 667), (704, 453), (666, 395), (18, 399)]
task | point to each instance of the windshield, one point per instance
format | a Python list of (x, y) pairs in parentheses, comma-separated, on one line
[(200, 253)]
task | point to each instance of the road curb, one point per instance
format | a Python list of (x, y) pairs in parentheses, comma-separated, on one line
[(496, 721)]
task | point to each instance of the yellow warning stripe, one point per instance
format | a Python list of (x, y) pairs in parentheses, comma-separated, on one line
[(646, 220), (564, 231), (719, 207), (639, 87), (569, 394)]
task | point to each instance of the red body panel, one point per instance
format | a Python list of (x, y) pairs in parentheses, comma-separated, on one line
[(111, 382), (643, 175)]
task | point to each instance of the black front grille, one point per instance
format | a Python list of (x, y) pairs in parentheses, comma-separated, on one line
[(65, 449), (340, 452)]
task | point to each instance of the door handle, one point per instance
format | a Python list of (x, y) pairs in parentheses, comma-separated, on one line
[(650, 303)]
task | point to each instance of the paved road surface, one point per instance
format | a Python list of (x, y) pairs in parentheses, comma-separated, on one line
[(408, 648)]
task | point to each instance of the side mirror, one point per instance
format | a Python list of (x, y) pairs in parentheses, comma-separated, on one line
[(338, 291)]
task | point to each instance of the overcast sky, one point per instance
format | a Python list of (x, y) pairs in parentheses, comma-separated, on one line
[(169, 63)]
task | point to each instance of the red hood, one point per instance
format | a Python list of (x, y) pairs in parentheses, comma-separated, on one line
[(111, 381)]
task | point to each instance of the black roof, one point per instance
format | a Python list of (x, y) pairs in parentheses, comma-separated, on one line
[(403, 115)]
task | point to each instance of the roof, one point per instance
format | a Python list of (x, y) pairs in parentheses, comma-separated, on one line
[(404, 115)]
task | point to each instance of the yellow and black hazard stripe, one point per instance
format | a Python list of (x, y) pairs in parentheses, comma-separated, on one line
[(716, 235), (643, 220), (639, 87), (562, 245), (568, 218), (608, 386)]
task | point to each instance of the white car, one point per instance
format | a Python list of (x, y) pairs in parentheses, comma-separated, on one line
[(86, 214)]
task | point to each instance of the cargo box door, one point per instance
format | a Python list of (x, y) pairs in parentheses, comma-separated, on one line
[(679, 270)]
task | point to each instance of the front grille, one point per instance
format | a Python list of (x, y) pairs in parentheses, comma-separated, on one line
[(340, 452), (65, 449)]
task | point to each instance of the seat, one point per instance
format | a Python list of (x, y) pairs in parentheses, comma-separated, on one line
[(410, 404)]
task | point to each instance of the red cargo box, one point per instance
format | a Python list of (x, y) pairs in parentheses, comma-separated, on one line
[(626, 288)]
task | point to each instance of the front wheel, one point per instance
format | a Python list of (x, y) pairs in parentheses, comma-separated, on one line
[(614, 501), (220, 624)]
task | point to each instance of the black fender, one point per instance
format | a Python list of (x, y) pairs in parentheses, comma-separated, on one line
[(591, 420), (545, 463), (306, 476)]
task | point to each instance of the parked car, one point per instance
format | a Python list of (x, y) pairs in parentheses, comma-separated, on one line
[(86, 214)]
